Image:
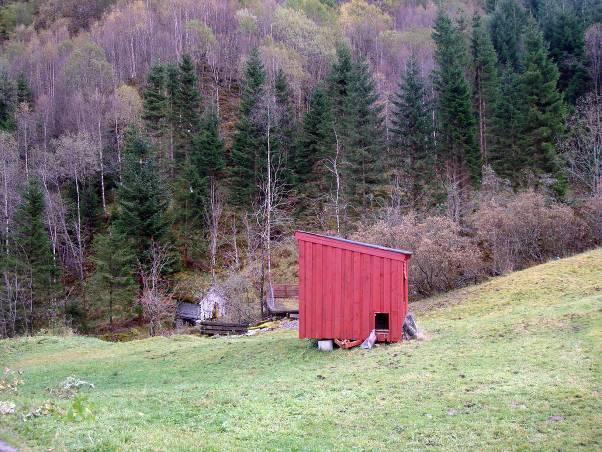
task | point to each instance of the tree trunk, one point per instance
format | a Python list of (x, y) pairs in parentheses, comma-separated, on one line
[(102, 169)]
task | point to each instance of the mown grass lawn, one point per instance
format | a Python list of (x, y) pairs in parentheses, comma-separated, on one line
[(502, 359)]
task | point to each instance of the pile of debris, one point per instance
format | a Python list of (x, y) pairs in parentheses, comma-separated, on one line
[(410, 331), (271, 325)]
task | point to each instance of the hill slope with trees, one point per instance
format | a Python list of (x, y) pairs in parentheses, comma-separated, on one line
[(152, 149)]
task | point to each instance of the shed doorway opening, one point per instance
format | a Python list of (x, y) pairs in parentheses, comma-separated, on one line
[(381, 321)]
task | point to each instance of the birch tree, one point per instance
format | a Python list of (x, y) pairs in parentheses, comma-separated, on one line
[(270, 211), (10, 179), (213, 214), (77, 161), (582, 147), (156, 300)]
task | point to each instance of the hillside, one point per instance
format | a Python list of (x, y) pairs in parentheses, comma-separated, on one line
[(195, 136), (511, 364)]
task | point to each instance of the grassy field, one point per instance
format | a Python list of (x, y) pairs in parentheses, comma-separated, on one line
[(514, 363)]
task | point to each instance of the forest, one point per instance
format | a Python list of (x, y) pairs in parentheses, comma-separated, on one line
[(152, 149)]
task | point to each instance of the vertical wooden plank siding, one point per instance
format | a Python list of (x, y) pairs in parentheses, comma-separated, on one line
[(357, 293), (313, 301), (302, 279), (328, 295), (337, 311), (348, 300), (386, 285), (343, 284)]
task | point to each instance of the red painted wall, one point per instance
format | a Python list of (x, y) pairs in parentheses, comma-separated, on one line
[(342, 284)]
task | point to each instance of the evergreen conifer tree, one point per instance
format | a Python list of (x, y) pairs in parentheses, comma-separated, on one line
[(249, 141), (24, 94), (172, 113), (412, 155), (32, 247), (504, 154), (113, 278), (358, 127), (565, 34), (315, 141), (91, 207), (313, 148), (365, 152), (508, 24), (8, 101), (142, 201), (155, 102), (339, 90), (455, 119), (208, 157), (486, 84), (207, 162), (542, 111), (187, 106), (285, 128)]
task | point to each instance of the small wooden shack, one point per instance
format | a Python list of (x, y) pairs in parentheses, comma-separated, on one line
[(347, 289), (211, 306)]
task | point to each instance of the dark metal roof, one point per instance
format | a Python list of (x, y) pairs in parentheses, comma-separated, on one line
[(187, 310), (353, 242)]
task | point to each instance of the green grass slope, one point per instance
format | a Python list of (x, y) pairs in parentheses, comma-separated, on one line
[(514, 363)]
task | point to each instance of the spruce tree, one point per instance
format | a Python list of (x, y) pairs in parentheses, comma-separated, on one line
[(172, 114), (32, 247), (285, 128), (315, 140), (504, 154), (412, 155), (542, 111), (358, 129), (339, 85), (365, 152), (204, 167), (24, 94), (187, 106), (313, 148), (91, 207), (113, 278), (249, 141), (508, 24), (8, 101), (141, 198), (208, 156), (565, 34), (207, 162), (455, 119), (155, 102), (486, 84)]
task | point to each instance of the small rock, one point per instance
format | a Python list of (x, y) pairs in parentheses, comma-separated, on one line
[(452, 412), (7, 407), (556, 418)]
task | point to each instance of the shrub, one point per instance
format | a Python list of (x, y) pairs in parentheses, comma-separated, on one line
[(591, 214), (444, 258), (526, 229)]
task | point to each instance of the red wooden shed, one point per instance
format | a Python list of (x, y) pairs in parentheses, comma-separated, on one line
[(347, 289)]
